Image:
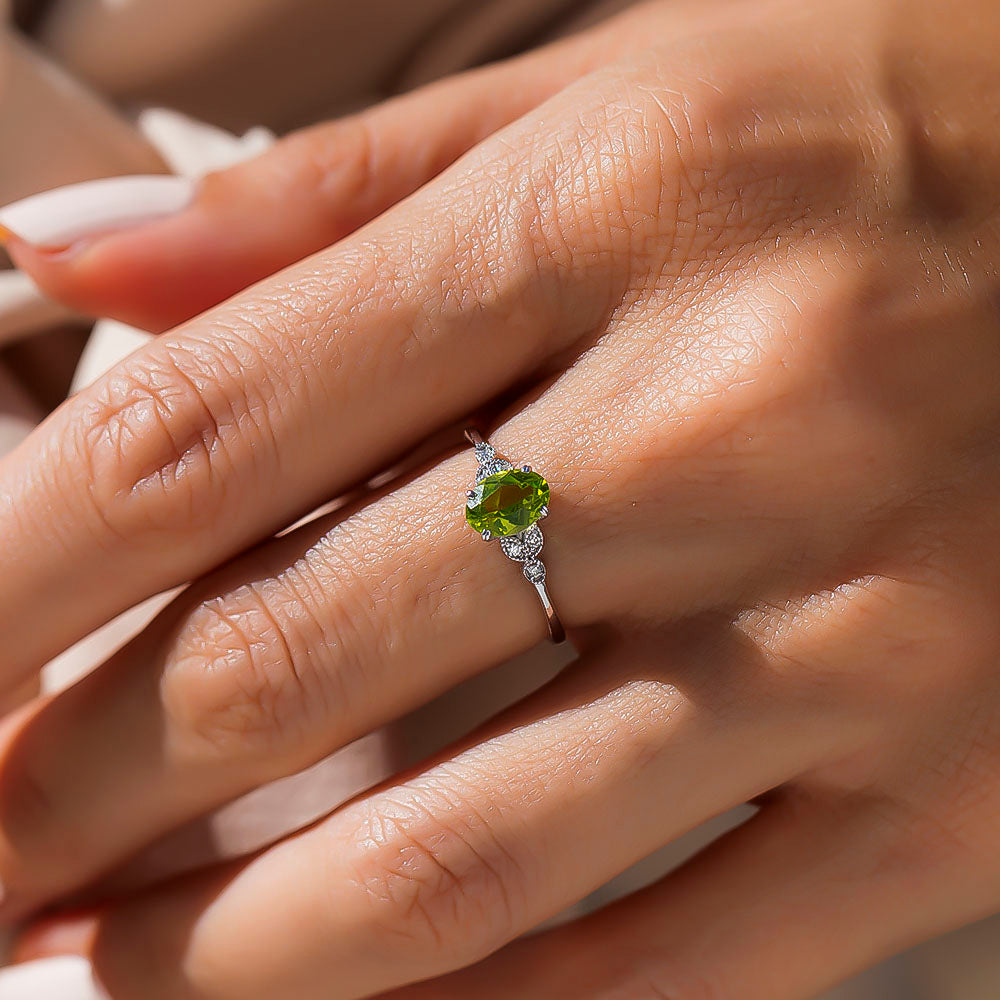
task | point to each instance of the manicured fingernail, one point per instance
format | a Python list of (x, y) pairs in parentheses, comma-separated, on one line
[(57, 218), (68, 978)]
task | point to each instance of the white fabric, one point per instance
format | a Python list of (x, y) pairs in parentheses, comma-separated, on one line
[(54, 979)]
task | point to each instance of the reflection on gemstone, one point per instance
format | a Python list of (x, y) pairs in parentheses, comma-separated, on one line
[(507, 502)]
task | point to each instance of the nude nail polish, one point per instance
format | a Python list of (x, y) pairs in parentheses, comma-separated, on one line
[(57, 218)]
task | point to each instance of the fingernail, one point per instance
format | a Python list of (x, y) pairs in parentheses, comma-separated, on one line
[(68, 978), (57, 218)]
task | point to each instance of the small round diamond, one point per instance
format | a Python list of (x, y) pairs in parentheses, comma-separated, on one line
[(523, 546), (491, 467), (534, 570)]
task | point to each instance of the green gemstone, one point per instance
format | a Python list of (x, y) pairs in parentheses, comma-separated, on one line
[(507, 502)]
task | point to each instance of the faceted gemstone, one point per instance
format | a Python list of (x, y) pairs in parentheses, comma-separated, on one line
[(507, 502)]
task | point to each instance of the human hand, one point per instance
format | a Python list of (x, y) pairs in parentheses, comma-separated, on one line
[(741, 275)]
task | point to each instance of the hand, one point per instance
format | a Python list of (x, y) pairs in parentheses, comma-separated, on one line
[(742, 276)]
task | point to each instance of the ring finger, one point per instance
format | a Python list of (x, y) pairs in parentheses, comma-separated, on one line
[(265, 667)]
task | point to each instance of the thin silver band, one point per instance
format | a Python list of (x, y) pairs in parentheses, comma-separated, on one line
[(532, 564)]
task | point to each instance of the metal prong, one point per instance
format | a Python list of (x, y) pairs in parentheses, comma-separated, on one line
[(471, 494), (526, 468), (487, 535), (544, 512)]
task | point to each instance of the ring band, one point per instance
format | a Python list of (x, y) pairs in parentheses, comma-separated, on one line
[(508, 503)]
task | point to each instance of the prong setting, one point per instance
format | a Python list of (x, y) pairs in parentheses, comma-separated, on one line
[(526, 468), (487, 535)]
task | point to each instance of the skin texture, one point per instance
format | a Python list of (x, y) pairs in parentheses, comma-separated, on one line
[(734, 284)]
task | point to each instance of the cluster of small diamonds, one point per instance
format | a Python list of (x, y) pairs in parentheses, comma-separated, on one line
[(534, 570), (523, 546), (489, 461)]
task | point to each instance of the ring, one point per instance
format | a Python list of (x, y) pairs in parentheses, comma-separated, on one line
[(508, 503)]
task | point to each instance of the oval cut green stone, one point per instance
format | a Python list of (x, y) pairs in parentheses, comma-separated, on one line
[(507, 502)]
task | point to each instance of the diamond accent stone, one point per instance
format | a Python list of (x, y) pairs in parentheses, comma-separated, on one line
[(534, 570), (492, 466), (523, 546)]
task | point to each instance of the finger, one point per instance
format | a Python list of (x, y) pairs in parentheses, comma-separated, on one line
[(62, 933), (250, 221), (800, 898), (437, 871), (214, 436), (262, 669)]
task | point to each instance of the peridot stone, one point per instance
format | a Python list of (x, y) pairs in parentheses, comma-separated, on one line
[(507, 502)]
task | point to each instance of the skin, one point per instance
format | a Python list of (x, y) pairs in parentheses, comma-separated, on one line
[(733, 282)]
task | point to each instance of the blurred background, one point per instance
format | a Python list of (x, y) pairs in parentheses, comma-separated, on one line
[(94, 88)]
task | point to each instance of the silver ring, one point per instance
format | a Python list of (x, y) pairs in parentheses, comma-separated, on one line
[(507, 503)]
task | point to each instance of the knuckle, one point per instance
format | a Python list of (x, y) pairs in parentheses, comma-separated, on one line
[(590, 189), (359, 171), (151, 438), (340, 163), (435, 876), (243, 679), (711, 167), (706, 197), (639, 184)]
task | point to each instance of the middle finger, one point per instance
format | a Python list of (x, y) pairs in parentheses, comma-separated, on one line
[(228, 429)]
